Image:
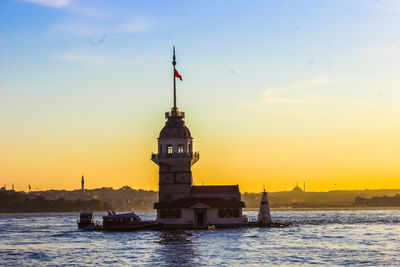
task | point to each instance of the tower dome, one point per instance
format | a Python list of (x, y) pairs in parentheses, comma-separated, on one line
[(175, 126)]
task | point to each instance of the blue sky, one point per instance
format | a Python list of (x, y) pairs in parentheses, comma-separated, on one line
[(252, 69)]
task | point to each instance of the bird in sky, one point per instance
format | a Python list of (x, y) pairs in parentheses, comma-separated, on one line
[(99, 42)]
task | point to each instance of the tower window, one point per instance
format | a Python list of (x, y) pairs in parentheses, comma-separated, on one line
[(160, 149), (180, 148), (169, 149), (190, 148)]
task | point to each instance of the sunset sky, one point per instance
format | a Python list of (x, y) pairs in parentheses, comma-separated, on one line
[(274, 92)]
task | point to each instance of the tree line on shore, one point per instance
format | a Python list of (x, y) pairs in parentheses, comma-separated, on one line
[(20, 202), (126, 199)]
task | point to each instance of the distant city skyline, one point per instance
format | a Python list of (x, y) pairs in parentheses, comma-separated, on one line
[(274, 92)]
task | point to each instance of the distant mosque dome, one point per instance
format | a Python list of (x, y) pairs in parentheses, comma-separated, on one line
[(297, 189), (175, 128)]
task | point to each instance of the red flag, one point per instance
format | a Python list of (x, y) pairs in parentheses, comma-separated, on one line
[(177, 75)]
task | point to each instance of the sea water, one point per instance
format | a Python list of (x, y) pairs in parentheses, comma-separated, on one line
[(351, 237)]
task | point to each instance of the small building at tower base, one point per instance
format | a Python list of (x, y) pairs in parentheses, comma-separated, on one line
[(207, 205)]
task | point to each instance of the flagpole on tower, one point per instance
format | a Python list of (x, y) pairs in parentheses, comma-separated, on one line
[(174, 63)]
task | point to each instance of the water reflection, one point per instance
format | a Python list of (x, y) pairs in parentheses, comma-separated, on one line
[(175, 248)]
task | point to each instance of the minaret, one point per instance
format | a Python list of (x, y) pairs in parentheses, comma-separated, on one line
[(83, 184), (175, 155)]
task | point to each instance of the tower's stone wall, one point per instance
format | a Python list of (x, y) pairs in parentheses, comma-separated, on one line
[(174, 158), (175, 179)]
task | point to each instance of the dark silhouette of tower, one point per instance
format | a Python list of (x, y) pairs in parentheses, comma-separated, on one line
[(175, 155)]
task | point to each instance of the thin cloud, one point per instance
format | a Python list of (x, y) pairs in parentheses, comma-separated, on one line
[(49, 3), (72, 6), (85, 27), (91, 59), (85, 19), (95, 59), (75, 27), (278, 94), (138, 24)]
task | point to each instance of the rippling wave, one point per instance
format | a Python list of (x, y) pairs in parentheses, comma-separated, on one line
[(351, 237)]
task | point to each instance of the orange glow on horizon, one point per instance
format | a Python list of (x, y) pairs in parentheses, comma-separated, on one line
[(326, 161)]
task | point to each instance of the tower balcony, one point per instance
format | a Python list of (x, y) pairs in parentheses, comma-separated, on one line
[(171, 158), (175, 113)]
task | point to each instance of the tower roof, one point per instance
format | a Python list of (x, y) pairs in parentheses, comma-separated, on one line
[(215, 189), (175, 126)]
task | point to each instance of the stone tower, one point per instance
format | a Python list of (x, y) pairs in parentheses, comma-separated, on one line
[(175, 155)]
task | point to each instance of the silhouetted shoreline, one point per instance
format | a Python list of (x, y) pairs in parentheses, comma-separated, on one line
[(18, 202), (126, 199)]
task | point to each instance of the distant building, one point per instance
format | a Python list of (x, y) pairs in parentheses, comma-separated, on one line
[(297, 189), (393, 201), (180, 202), (83, 184)]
